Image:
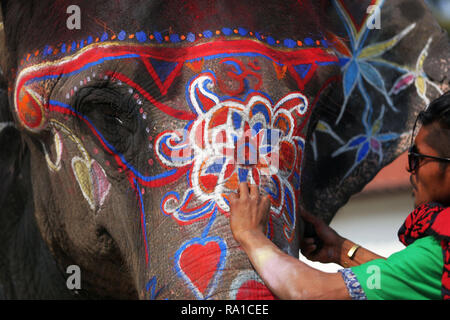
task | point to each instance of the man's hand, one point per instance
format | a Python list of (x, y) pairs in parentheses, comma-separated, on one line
[(332, 242), (285, 276), (249, 211)]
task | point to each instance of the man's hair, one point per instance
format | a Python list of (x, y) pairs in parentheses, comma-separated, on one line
[(438, 110), (437, 117)]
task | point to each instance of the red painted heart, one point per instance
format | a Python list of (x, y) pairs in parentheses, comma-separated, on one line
[(200, 262)]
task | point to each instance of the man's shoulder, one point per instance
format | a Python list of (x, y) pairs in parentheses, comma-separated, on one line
[(441, 225)]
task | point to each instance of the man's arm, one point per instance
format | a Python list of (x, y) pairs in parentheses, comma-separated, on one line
[(285, 276), (335, 248), (361, 256)]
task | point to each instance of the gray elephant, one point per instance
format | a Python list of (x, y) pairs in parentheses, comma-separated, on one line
[(125, 125)]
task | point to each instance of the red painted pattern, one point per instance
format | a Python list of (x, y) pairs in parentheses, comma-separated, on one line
[(254, 290), (199, 263)]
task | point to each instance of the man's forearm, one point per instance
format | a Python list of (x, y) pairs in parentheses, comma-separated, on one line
[(286, 276), (361, 255)]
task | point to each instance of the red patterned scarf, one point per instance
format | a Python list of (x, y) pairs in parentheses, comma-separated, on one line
[(430, 219)]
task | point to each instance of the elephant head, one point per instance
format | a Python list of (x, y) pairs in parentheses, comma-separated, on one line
[(134, 128)]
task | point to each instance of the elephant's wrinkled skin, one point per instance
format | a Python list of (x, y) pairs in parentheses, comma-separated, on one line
[(130, 132)]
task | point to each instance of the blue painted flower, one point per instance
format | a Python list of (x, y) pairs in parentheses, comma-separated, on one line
[(371, 140), (357, 62)]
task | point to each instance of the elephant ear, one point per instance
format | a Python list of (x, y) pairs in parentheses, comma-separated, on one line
[(14, 170), (393, 63)]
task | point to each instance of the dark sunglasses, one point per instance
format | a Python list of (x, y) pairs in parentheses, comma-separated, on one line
[(414, 158)]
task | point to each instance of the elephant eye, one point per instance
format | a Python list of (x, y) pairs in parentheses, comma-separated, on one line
[(112, 113)]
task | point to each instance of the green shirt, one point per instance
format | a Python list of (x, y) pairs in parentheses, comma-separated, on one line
[(414, 273)]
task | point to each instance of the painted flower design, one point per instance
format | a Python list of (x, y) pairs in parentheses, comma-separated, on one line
[(371, 140), (230, 141), (358, 62), (416, 76)]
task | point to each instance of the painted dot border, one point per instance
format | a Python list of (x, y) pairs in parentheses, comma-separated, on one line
[(175, 38)]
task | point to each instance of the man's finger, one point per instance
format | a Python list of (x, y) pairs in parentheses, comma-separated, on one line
[(305, 214), (308, 241), (232, 197), (266, 201), (307, 251), (243, 190), (254, 190), (309, 217)]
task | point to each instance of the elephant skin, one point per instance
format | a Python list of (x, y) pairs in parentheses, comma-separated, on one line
[(121, 140)]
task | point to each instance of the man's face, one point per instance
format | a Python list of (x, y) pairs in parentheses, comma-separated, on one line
[(431, 181)]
